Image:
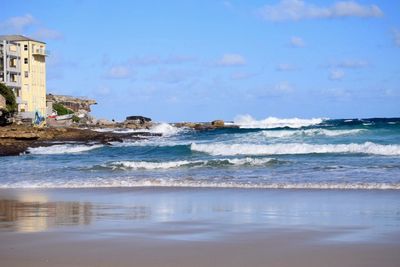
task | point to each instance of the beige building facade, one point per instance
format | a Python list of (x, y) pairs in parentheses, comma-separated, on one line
[(31, 71)]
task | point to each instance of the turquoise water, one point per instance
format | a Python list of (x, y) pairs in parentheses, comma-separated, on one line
[(270, 153)]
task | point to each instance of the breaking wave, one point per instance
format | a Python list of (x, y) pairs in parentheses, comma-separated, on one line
[(246, 121), (295, 148), (61, 149), (148, 165), (310, 132), (165, 129)]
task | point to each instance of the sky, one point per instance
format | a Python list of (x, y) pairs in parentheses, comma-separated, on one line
[(204, 60)]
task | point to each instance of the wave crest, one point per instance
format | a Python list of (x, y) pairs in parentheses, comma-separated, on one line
[(61, 149), (247, 121), (295, 148), (148, 165), (310, 132), (114, 183)]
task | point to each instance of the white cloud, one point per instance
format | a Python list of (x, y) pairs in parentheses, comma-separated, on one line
[(30, 26), (352, 64), (119, 72), (297, 42), (336, 75), (232, 60), (339, 93), (48, 34), (396, 37), (294, 10), (285, 67), (17, 24)]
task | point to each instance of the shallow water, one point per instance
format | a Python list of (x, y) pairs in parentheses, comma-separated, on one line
[(203, 214)]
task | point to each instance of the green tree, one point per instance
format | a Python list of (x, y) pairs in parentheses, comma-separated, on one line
[(8, 94)]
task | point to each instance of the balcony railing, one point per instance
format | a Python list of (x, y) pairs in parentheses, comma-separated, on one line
[(40, 52)]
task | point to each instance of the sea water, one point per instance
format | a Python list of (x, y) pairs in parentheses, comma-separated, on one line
[(271, 153)]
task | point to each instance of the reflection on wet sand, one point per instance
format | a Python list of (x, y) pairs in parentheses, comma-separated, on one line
[(38, 216), (25, 216)]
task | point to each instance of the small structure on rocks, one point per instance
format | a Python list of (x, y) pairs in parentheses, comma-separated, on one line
[(137, 122)]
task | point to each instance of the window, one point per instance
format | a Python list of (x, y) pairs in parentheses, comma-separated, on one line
[(13, 63), (26, 74), (25, 47), (26, 60)]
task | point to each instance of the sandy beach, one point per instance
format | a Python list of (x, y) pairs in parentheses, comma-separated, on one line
[(198, 227)]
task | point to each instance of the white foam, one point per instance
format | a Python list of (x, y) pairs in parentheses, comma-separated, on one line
[(295, 148), (62, 149), (250, 161), (148, 165), (118, 183), (246, 121), (310, 132), (103, 130), (152, 165), (165, 129)]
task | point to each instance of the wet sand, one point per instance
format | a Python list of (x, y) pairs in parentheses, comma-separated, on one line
[(199, 227)]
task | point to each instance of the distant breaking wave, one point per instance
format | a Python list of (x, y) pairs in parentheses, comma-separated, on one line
[(295, 148), (310, 132), (62, 149), (164, 129), (148, 165), (246, 121)]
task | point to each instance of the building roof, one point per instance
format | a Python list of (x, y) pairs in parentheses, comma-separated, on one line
[(18, 38)]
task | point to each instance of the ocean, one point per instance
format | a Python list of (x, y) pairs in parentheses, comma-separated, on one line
[(271, 153)]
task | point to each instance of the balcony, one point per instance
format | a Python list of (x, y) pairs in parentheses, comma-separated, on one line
[(40, 52), (13, 84), (20, 101)]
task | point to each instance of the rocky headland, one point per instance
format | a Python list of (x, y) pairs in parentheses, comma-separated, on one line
[(15, 140)]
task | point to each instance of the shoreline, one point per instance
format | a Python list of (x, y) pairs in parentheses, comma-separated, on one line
[(16, 139)]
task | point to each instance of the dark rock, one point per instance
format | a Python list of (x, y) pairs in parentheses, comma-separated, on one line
[(218, 123), (139, 119)]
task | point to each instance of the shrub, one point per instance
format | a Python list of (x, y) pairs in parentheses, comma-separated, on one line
[(61, 110), (75, 119), (8, 94)]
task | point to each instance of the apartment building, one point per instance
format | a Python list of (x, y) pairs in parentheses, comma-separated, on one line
[(23, 68), (10, 66)]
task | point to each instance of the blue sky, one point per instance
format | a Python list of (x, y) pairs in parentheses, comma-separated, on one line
[(204, 60)]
